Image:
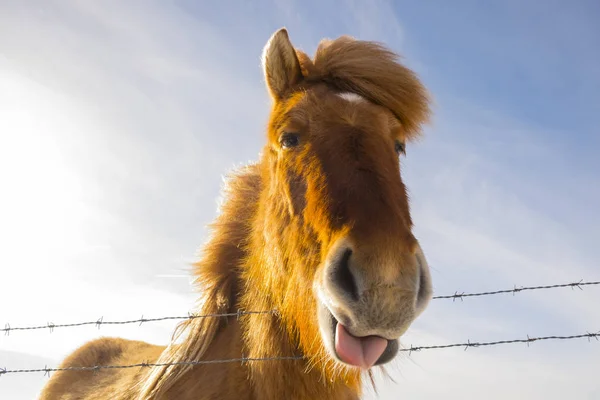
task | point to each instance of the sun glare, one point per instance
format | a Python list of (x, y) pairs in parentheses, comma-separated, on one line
[(41, 208)]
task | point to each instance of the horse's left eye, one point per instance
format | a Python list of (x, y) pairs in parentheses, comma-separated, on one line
[(400, 149), (289, 139)]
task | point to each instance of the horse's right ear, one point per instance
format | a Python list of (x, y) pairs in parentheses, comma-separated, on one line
[(280, 64)]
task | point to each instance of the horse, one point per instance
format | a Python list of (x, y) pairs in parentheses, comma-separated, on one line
[(313, 243)]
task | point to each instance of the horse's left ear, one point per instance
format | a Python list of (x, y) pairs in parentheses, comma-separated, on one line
[(280, 64)]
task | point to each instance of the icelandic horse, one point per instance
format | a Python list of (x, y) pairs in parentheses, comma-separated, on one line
[(318, 229)]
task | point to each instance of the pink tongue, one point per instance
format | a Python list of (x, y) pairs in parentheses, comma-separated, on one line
[(360, 352)]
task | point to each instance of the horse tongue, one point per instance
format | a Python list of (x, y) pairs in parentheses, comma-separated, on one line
[(360, 352)]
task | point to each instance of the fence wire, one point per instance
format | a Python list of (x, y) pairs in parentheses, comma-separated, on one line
[(100, 321), (410, 350), (572, 285), (468, 344), (96, 368)]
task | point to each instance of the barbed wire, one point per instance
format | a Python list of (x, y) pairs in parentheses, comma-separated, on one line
[(516, 289), (589, 335), (410, 350), (95, 368), (100, 321)]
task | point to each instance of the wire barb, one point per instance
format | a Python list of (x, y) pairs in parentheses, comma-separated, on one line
[(458, 296)]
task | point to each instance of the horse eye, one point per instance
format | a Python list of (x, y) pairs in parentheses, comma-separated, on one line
[(400, 147), (288, 140)]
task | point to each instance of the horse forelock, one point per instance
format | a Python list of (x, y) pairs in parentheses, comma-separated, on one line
[(370, 70)]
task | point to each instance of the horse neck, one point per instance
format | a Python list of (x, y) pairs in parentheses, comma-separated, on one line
[(266, 337), (251, 380), (272, 282), (235, 276), (226, 380)]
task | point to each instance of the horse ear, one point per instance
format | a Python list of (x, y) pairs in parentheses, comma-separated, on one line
[(280, 64)]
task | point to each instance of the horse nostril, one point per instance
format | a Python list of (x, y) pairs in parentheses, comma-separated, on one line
[(343, 277)]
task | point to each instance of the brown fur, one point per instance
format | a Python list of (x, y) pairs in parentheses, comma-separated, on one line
[(279, 222)]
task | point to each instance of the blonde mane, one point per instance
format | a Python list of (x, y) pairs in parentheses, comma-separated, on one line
[(216, 278)]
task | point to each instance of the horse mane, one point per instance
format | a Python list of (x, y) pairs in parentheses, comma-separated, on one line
[(216, 278), (372, 71)]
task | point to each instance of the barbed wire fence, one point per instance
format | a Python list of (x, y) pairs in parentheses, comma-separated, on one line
[(456, 296), (572, 285), (95, 368)]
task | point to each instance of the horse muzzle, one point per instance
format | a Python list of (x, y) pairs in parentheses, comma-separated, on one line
[(367, 302)]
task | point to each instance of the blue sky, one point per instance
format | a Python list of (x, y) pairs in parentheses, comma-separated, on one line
[(119, 119)]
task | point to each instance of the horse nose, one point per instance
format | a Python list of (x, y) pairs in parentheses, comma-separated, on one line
[(375, 291), (346, 280)]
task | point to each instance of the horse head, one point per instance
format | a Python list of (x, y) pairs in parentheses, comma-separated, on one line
[(335, 218)]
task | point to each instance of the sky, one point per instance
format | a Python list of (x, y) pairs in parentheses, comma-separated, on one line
[(119, 120)]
